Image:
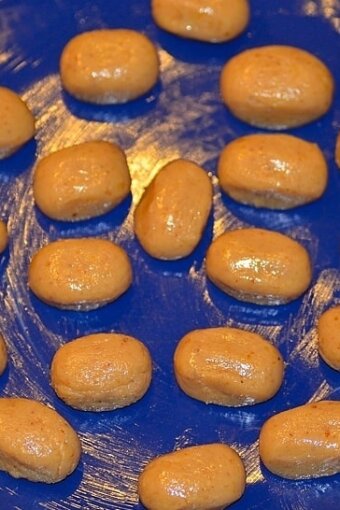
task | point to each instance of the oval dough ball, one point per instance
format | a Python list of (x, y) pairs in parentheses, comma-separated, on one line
[(82, 181), (259, 266), (172, 214), (36, 443), (3, 355), (277, 87), (109, 66), (329, 337), (212, 21), (17, 123), (272, 170), (80, 274), (228, 366), (303, 442), (207, 477), (101, 372), (3, 236)]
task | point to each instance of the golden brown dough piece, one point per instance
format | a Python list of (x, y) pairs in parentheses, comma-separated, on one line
[(17, 122), (205, 20), (303, 442), (259, 266), (277, 87), (80, 274), (101, 372), (82, 181), (109, 66), (206, 477), (3, 354), (36, 442), (3, 236), (329, 337)]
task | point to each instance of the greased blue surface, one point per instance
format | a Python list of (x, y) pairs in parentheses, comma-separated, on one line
[(182, 116)]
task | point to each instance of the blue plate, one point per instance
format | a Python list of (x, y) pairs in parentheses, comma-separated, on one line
[(182, 116)]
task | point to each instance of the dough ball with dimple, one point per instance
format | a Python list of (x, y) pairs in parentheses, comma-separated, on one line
[(206, 477), (109, 66), (228, 366), (36, 443), (3, 236), (329, 337), (80, 274), (16, 123), (277, 171), (206, 20), (277, 87), (259, 266), (172, 213), (82, 181), (101, 372), (303, 442), (3, 354)]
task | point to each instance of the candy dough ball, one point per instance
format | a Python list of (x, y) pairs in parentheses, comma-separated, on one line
[(3, 354), (3, 236), (205, 20), (82, 181), (16, 123), (329, 337), (276, 171), (277, 87), (109, 66), (101, 372), (80, 274), (36, 443)]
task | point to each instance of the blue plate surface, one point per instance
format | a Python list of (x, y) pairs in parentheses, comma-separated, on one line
[(182, 117)]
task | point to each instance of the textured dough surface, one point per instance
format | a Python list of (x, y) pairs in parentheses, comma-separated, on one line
[(329, 337), (207, 477), (109, 66), (205, 20), (228, 366), (276, 87), (36, 442), (259, 266), (17, 122), (303, 442), (277, 171), (172, 213), (80, 274), (101, 372), (82, 181)]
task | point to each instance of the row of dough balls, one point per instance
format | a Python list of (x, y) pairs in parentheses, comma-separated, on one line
[(118, 65)]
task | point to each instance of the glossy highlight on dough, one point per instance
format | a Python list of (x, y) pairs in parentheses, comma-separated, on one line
[(36, 443), (109, 66), (212, 21), (259, 266), (276, 87), (228, 366), (82, 181), (80, 274), (206, 477), (101, 372)]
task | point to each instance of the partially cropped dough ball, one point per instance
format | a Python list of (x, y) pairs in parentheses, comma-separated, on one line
[(80, 274), (36, 443), (82, 181), (337, 150), (101, 372), (329, 337), (277, 87), (206, 20), (3, 236), (109, 66), (16, 122), (172, 214), (3, 354), (277, 171)]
